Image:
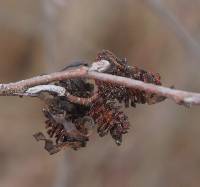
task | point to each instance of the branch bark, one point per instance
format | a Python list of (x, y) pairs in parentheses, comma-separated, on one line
[(21, 87), (178, 96)]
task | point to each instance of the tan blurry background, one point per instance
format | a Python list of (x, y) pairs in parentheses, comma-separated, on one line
[(162, 147)]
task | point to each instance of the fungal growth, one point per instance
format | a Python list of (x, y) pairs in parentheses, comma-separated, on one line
[(70, 124)]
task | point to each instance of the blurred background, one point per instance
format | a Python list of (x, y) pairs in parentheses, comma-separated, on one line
[(41, 36)]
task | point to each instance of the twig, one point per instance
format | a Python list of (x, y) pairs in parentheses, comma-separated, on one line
[(22, 86), (81, 100), (180, 97)]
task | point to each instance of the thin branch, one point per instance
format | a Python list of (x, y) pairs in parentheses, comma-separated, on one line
[(180, 97), (22, 86), (81, 100)]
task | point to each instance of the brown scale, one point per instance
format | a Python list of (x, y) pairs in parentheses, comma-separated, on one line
[(108, 119), (69, 137)]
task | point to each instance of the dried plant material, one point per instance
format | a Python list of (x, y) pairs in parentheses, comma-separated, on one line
[(121, 93), (83, 97), (70, 123), (108, 118), (49, 146), (39, 136)]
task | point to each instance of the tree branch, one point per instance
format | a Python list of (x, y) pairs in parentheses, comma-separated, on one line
[(179, 96), (24, 87), (21, 86)]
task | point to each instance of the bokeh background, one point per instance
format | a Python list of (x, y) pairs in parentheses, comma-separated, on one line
[(41, 36)]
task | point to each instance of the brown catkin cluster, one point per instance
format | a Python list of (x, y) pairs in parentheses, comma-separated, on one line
[(108, 118), (65, 132), (69, 124), (121, 93)]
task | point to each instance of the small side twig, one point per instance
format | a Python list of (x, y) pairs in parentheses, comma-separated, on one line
[(59, 91), (81, 100)]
